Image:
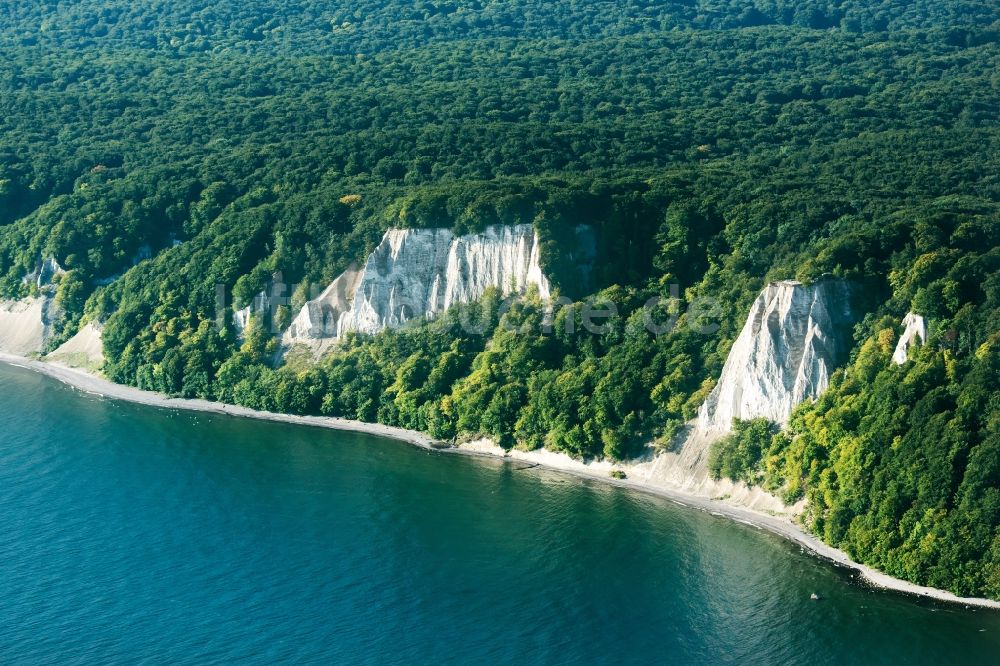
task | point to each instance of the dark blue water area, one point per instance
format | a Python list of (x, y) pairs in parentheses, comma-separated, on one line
[(137, 535)]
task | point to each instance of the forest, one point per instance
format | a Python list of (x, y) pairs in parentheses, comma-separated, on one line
[(158, 150)]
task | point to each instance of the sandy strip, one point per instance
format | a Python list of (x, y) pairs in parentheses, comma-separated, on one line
[(89, 383)]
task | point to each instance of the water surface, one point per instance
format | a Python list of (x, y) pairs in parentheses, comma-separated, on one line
[(130, 534)]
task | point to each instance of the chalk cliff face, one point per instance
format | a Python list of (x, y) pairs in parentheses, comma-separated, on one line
[(914, 332), (794, 338), (26, 325), (45, 273), (261, 303), (84, 350), (319, 319), (23, 327), (417, 273)]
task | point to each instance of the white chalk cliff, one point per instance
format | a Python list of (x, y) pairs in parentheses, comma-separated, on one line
[(418, 273), (319, 319), (914, 333), (23, 327), (45, 273), (26, 325), (794, 338), (261, 303), (84, 350)]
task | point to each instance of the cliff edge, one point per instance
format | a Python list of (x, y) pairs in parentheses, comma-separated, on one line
[(418, 273), (795, 336)]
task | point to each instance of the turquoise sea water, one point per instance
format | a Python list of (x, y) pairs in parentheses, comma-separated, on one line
[(135, 535)]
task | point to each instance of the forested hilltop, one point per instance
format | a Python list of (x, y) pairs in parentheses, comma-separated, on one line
[(317, 26), (715, 145)]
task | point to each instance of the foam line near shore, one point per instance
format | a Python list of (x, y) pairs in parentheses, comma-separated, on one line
[(95, 385)]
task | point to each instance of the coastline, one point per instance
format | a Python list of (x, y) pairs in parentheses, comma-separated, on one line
[(90, 383)]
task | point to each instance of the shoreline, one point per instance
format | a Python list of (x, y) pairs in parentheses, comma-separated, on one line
[(90, 383)]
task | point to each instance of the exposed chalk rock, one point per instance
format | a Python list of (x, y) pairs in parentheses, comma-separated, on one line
[(418, 273), (26, 326), (45, 273), (401, 280), (318, 321), (264, 303), (260, 304), (23, 329), (914, 333), (84, 350), (421, 272), (793, 340), (504, 257)]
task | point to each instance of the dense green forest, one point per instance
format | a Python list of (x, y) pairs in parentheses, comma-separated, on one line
[(365, 26), (715, 145)]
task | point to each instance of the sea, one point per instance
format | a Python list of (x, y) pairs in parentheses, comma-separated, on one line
[(137, 535)]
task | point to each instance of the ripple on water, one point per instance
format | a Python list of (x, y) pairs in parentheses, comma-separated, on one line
[(129, 534)]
